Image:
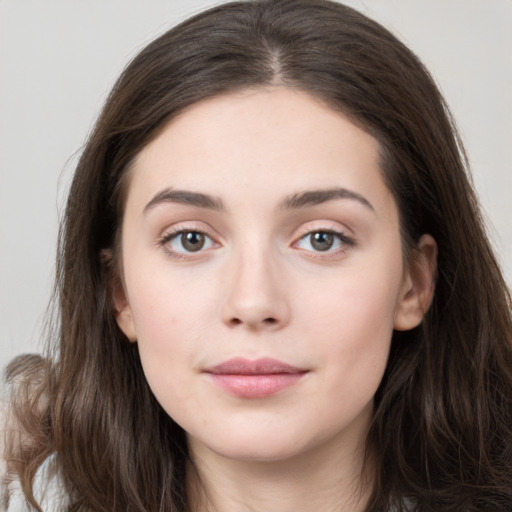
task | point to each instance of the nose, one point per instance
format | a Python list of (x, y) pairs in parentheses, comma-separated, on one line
[(257, 295)]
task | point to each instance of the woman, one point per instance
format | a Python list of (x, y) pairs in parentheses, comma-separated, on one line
[(267, 298)]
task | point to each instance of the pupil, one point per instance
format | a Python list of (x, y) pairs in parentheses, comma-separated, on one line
[(322, 241), (192, 241)]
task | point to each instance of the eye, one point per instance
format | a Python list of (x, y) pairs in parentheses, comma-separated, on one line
[(188, 241), (324, 241)]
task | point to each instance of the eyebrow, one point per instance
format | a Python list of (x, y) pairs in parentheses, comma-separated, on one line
[(295, 201), (198, 199), (316, 197)]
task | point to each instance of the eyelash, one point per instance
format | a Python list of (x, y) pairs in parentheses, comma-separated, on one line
[(345, 241), (168, 237)]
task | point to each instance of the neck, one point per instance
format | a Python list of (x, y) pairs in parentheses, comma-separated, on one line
[(324, 480)]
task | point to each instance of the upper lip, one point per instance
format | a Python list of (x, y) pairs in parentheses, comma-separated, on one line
[(262, 366)]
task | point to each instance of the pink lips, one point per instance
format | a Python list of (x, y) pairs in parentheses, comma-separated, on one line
[(254, 379)]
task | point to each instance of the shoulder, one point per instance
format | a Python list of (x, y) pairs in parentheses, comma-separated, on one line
[(48, 491), (23, 405)]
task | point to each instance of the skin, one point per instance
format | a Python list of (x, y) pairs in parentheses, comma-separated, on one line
[(260, 288)]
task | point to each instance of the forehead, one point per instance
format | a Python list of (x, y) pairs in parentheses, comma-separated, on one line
[(261, 141)]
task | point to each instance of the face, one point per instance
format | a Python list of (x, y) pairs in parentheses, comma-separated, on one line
[(263, 274)]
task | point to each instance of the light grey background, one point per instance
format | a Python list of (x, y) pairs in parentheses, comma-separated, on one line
[(58, 60)]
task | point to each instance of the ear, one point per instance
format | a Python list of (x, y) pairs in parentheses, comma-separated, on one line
[(124, 316), (118, 296), (418, 287)]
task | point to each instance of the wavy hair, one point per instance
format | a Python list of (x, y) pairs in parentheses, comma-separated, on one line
[(441, 434)]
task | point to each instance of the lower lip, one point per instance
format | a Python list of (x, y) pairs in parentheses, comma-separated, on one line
[(255, 386)]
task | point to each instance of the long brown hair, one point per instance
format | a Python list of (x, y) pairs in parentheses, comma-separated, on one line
[(442, 428)]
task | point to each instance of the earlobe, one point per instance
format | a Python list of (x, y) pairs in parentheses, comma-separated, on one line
[(123, 312), (117, 293), (125, 322), (418, 287)]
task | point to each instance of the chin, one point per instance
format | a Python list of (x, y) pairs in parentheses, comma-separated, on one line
[(261, 446), (269, 452)]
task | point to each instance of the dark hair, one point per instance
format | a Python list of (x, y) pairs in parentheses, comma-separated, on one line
[(442, 429)]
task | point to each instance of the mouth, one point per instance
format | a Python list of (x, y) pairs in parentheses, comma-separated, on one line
[(258, 378)]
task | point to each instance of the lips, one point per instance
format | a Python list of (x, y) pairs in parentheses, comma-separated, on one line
[(258, 378)]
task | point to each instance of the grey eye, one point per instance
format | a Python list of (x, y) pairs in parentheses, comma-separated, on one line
[(324, 241)]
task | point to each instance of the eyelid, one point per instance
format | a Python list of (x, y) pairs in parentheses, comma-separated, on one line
[(347, 241), (175, 231), (327, 226), (172, 232)]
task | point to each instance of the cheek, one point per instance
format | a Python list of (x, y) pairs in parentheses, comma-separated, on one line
[(352, 323), (176, 319), (357, 335), (166, 347), (169, 319), (164, 302), (358, 305)]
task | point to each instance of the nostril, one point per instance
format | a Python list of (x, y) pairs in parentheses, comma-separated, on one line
[(267, 321)]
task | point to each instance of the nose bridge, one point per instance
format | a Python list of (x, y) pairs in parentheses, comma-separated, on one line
[(256, 295)]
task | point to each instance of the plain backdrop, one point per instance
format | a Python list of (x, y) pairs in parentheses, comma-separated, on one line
[(58, 60)]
